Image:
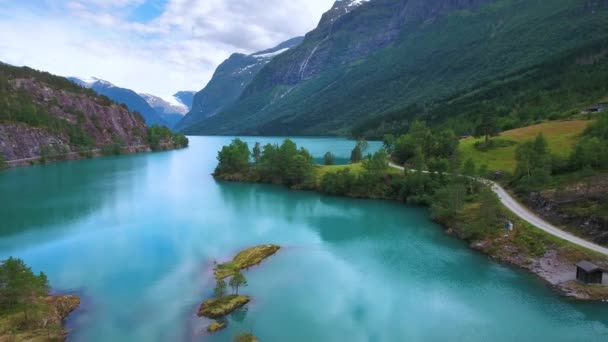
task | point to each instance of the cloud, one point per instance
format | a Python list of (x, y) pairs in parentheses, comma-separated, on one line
[(153, 46)]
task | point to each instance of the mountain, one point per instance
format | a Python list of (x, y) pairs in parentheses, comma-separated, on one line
[(229, 81), (368, 58), (122, 95), (42, 115), (185, 97), (172, 110)]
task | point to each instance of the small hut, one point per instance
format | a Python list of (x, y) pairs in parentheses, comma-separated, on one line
[(589, 273)]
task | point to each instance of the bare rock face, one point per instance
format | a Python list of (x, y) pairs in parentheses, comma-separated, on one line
[(101, 121)]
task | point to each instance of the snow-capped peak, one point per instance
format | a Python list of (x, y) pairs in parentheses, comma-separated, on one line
[(168, 104), (90, 81), (269, 54)]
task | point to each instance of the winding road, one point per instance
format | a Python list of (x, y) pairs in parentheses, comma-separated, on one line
[(526, 215)]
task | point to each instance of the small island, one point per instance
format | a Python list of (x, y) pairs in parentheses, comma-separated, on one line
[(223, 304), (245, 259), (246, 338)]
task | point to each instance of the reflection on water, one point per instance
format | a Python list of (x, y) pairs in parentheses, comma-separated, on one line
[(137, 236)]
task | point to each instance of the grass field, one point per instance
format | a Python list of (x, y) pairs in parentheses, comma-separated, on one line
[(561, 137), (356, 169)]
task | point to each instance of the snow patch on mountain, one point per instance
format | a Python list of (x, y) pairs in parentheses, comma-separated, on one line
[(166, 105), (270, 54)]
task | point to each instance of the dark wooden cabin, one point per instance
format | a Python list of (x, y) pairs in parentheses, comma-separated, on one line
[(589, 273)]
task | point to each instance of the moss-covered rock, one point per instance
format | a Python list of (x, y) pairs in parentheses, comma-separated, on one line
[(216, 326), (220, 307), (245, 259), (246, 338)]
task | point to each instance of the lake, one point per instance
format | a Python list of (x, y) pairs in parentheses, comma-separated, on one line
[(136, 237)]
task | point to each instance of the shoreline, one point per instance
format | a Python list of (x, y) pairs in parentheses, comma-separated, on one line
[(553, 266), (91, 154)]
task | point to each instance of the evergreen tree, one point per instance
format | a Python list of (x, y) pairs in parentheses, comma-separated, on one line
[(329, 158), (237, 280)]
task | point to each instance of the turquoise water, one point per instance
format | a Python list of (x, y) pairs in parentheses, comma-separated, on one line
[(136, 237)]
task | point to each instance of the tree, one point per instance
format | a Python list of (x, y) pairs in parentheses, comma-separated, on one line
[(329, 158), (488, 127), (389, 143), (363, 145), (489, 210), (469, 170), (448, 202), (238, 280), (233, 158), (377, 164), (220, 288), (20, 288), (356, 155), (533, 164), (257, 153)]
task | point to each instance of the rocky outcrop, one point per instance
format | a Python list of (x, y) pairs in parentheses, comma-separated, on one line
[(572, 207), (63, 120)]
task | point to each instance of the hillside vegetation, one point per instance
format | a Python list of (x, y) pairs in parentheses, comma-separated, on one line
[(524, 60), (561, 137)]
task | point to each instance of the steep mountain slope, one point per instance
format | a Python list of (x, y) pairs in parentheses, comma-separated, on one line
[(42, 115), (383, 55), (172, 112), (122, 95), (185, 97), (229, 81)]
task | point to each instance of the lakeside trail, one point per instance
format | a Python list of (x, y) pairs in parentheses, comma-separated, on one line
[(525, 214)]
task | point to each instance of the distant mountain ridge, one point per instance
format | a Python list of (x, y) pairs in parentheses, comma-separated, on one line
[(229, 81), (368, 58), (123, 95), (154, 109)]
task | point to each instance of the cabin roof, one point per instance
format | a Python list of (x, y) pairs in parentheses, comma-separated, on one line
[(588, 267)]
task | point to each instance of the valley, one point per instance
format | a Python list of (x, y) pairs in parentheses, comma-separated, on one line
[(345, 170)]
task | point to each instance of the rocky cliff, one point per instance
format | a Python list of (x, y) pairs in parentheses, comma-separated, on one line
[(367, 58), (45, 114)]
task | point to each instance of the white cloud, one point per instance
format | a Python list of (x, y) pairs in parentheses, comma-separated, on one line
[(177, 50)]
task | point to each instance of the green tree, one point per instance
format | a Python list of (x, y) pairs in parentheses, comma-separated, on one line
[(20, 288), (377, 164), (363, 145), (356, 155), (489, 210), (329, 158), (220, 288), (237, 280), (533, 164), (233, 158), (257, 153), (488, 127), (448, 202), (469, 170), (388, 141)]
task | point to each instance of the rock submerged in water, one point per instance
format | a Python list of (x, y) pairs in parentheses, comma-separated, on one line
[(245, 259), (220, 307), (216, 326), (246, 338)]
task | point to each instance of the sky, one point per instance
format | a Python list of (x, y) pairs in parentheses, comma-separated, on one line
[(151, 46)]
